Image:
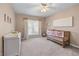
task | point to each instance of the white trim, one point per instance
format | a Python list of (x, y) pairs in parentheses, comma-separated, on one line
[(74, 45)]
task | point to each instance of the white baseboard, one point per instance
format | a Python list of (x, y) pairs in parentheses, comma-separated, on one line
[(74, 45)]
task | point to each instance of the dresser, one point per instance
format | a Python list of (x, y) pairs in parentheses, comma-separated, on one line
[(59, 36), (11, 44)]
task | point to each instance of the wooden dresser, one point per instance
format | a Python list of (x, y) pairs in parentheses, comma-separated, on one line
[(59, 36)]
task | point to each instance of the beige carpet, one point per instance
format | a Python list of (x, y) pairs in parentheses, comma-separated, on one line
[(43, 47)]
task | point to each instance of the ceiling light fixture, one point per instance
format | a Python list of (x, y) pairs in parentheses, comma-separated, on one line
[(44, 7)]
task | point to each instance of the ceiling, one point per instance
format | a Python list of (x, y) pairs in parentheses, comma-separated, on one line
[(33, 9)]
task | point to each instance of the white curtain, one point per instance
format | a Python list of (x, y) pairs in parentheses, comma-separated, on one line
[(25, 29), (32, 27)]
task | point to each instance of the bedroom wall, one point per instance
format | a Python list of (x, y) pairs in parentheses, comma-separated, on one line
[(20, 22), (73, 11), (6, 27)]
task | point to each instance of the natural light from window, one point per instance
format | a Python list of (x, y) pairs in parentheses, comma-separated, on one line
[(33, 27)]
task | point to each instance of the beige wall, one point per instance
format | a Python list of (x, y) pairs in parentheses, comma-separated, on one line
[(4, 26), (73, 11), (20, 22)]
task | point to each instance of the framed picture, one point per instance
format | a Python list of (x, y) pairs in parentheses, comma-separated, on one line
[(64, 22), (4, 17), (7, 18), (10, 20)]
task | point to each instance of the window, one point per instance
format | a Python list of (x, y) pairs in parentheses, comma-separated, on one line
[(33, 27)]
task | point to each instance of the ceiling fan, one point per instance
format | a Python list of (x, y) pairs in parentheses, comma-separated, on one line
[(46, 6)]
